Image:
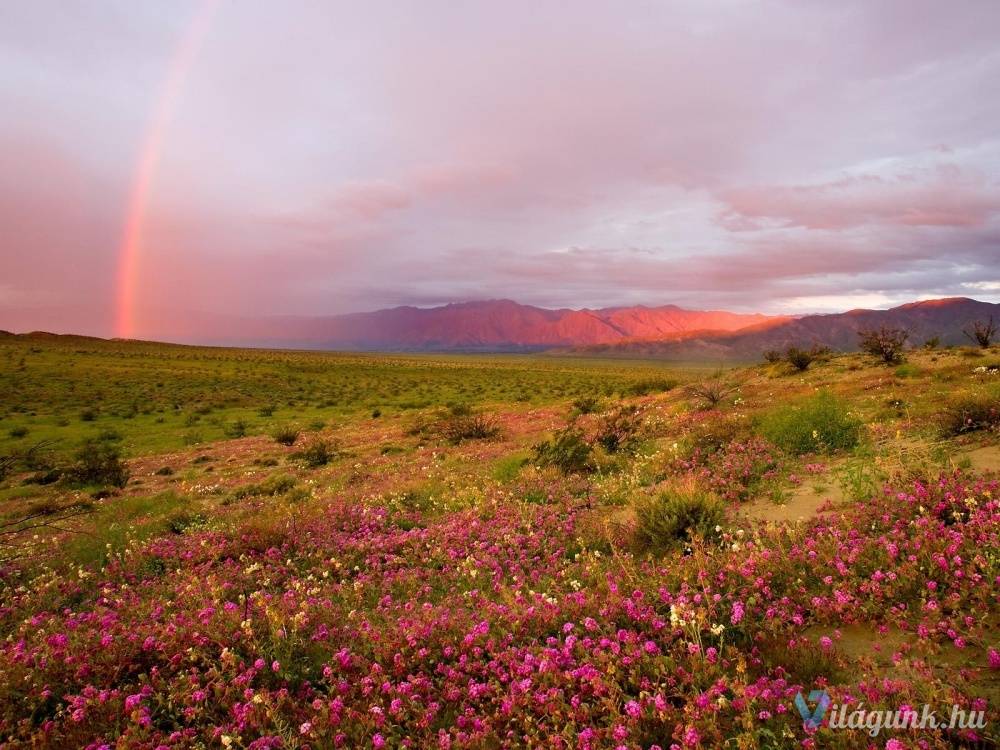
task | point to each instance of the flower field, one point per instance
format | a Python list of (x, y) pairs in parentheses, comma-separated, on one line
[(419, 588)]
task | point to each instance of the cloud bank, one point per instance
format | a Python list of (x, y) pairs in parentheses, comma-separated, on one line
[(328, 157)]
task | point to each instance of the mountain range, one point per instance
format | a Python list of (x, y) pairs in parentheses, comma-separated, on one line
[(666, 332), (944, 319)]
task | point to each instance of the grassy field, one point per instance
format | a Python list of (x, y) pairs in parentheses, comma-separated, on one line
[(253, 549), (161, 397)]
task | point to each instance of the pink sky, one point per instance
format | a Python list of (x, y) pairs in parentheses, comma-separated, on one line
[(322, 157)]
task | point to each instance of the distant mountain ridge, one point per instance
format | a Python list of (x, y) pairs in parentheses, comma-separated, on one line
[(666, 332), (944, 318), (501, 325)]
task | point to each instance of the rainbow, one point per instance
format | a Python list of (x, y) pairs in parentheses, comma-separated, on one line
[(131, 248)]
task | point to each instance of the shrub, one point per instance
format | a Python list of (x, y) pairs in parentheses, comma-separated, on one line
[(819, 424), (49, 476), (715, 435), (286, 434), (619, 430), (982, 332), (317, 453), (885, 343), (710, 393), (183, 520), (88, 415), (800, 359), (586, 404), (772, 356), (932, 343), (18, 432), (455, 429), (278, 484), (236, 429), (99, 462), (649, 385), (568, 451), (970, 413), (677, 517)]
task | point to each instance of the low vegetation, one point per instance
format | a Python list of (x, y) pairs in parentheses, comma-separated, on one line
[(819, 424), (682, 515), (491, 553), (887, 344), (982, 332)]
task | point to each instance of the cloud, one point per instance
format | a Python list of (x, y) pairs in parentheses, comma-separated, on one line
[(325, 157), (946, 196)]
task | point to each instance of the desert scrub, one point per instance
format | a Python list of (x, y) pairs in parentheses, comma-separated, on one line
[(586, 405), (461, 427), (236, 429), (971, 413), (860, 477), (819, 424), (277, 484), (888, 344), (678, 516), (285, 434), (568, 451), (649, 385), (99, 462), (618, 431), (708, 394), (318, 453)]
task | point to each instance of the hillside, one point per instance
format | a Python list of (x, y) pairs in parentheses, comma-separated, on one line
[(491, 326), (944, 318)]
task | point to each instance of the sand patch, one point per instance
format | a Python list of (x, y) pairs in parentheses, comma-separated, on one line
[(801, 504), (982, 459)]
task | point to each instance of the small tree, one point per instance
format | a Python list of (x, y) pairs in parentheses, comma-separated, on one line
[(983, 332), (800, 359), (99, 461), (885, 343)]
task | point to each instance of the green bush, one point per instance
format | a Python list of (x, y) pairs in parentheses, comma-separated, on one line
[(586, 404), (649, 385), (318, 453), (285, 434), (677, 517), (182, 520), (278, 484), (819, 424), (712, 436), (460, 427), (236, 429), (99, 462), (568, 451)]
